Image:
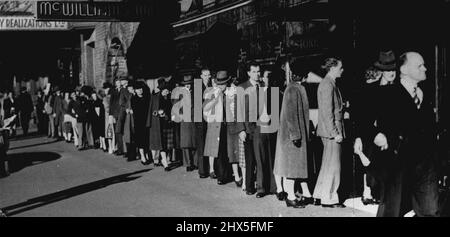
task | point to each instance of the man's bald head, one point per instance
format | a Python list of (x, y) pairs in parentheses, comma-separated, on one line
[(412, 66)]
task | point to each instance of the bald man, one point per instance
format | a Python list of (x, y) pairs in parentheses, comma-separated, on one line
[(407, 133)]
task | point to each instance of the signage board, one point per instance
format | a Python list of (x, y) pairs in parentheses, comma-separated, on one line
[(18, 23), (93, 11)]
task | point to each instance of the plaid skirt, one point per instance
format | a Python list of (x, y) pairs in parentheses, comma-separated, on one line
[(241, 154), (167, 138)]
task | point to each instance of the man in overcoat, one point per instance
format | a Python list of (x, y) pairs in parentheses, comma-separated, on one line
[(407, 130)]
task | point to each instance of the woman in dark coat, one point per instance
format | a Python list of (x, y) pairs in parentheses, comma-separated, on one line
[(40, 112), (139, 106), (166, 122), (58, 112), (154, 123), (128, 124), (291, 154), (97, 118)]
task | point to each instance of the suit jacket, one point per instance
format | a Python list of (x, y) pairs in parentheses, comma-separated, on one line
[(411, 132), (331, 115), (366, 112), (250, 127), (114, 103)]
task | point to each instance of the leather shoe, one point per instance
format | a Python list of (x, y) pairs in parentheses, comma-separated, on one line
[(250, 192), (213, 175), (220, 182), (336, 205), (260, 195), (239, 183), (167, 169), (189, 169), (203, 176), (317, 202), (307, 200), (281, 196), (294, 203), (366, 201)]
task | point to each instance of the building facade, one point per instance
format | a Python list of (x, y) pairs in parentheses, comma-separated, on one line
[(225, 34)]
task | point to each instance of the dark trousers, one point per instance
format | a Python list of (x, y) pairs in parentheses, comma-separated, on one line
[(119, 142), (25, 122), (85, 134), (189, 159), (250, 164), (42, 123), (222, 164), (413, 188), (264, 165)]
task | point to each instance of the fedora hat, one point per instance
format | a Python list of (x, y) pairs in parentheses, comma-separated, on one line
[(222, 78), (187, 79), (386, 61)]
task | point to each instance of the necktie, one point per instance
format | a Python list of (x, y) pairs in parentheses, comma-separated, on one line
[(416, 98)]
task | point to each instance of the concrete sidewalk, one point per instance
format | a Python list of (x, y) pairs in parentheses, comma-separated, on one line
[(54, 179)]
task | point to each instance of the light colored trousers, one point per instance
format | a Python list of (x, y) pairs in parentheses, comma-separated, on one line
[(330, 173)]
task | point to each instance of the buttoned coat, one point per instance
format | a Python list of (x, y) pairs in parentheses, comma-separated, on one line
[(291, 161), (331, 115), (233, 128)]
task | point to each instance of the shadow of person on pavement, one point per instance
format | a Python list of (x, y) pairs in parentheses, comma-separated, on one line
[(17, 162), (69, 193), (33, 145), (21, 137)]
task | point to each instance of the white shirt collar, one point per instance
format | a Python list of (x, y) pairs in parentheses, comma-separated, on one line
[(409, 85)]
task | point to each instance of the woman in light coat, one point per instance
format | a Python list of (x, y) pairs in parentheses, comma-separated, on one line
[(291, 153)]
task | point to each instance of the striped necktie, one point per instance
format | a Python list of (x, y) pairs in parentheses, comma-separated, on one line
[(416, 98)]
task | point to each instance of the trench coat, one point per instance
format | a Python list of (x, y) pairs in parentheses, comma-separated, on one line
[(291, 161), (213, 136)]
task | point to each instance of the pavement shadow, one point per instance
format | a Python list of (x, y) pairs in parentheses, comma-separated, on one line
[(33, 145), (20, 137), (69, 193), (19, 161)]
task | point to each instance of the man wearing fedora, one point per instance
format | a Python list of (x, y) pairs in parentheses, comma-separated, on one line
[(25, 108), (222, 136), (367, 109), (187, 130), (407, 129)]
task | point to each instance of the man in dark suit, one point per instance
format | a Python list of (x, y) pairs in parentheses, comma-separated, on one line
[(25, 108), (114, 110), (252, 137), (407, 131)]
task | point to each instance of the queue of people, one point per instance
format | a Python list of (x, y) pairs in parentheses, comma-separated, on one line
[(393, 118)]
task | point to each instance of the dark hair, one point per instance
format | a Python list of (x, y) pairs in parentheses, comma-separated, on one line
[(107, 85), (251, 64), (329, 63), (403, 59)]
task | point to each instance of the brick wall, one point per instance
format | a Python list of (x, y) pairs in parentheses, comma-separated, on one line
[(104, 33)]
